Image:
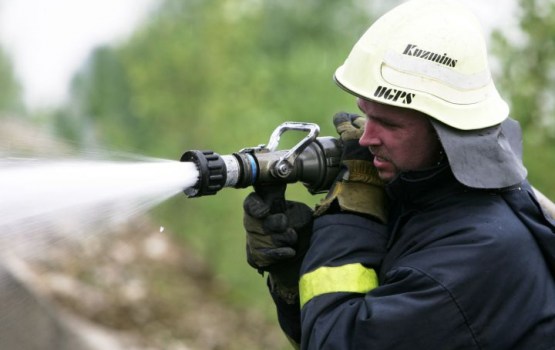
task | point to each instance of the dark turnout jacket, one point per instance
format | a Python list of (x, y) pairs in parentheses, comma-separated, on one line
[(457, 268)]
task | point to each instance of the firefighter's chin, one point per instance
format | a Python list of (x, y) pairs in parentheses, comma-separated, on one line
[(386, 169)]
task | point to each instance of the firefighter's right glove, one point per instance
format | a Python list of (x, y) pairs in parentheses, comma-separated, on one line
[(358, 188), (277, 240)]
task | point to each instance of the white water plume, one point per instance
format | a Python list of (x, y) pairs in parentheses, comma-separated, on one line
[(79, 195)]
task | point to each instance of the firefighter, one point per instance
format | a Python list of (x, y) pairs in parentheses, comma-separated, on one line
[(431, 238)]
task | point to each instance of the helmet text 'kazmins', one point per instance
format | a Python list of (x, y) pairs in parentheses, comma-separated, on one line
[(413, 50)]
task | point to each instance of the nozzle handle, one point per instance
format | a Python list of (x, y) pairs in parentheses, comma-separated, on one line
[(273, 196), (285, 163)]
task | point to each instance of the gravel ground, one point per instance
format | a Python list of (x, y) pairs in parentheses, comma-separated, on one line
[(150, 291)]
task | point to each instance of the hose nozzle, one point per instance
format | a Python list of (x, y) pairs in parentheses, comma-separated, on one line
[(314, 161)]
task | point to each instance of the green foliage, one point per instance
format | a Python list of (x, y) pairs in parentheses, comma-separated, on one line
[(10, 98), (207, 68), (528, 65), (221, 75), (527, 79)]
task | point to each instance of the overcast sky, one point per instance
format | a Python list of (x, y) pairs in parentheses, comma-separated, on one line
[(49, 39)]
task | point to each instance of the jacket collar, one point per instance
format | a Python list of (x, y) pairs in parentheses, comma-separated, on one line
[(416, 189)]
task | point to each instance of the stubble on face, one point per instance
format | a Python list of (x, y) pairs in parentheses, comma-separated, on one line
[(400, 139)]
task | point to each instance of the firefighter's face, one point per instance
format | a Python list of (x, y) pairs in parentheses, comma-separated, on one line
[(400, 139)]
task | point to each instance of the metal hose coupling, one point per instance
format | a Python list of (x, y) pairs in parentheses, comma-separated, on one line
[(314, 161)]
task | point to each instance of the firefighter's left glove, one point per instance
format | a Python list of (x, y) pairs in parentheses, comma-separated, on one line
[(358, 188), (277, 241)]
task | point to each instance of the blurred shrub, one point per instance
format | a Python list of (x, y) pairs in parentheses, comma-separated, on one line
[(221, 75), (527, 81)]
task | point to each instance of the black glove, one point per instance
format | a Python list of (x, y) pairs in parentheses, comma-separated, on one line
[(278, 234), (358, 188)]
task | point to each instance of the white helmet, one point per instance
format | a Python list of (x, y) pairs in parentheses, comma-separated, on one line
[(427, 55), (430, 56)]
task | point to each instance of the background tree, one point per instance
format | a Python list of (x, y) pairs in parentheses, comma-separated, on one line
[(99, 110), (527, 80), (221, 75), (10, 98)]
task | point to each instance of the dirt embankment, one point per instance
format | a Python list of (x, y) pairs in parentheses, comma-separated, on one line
[(151, 290), (135, 288)]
